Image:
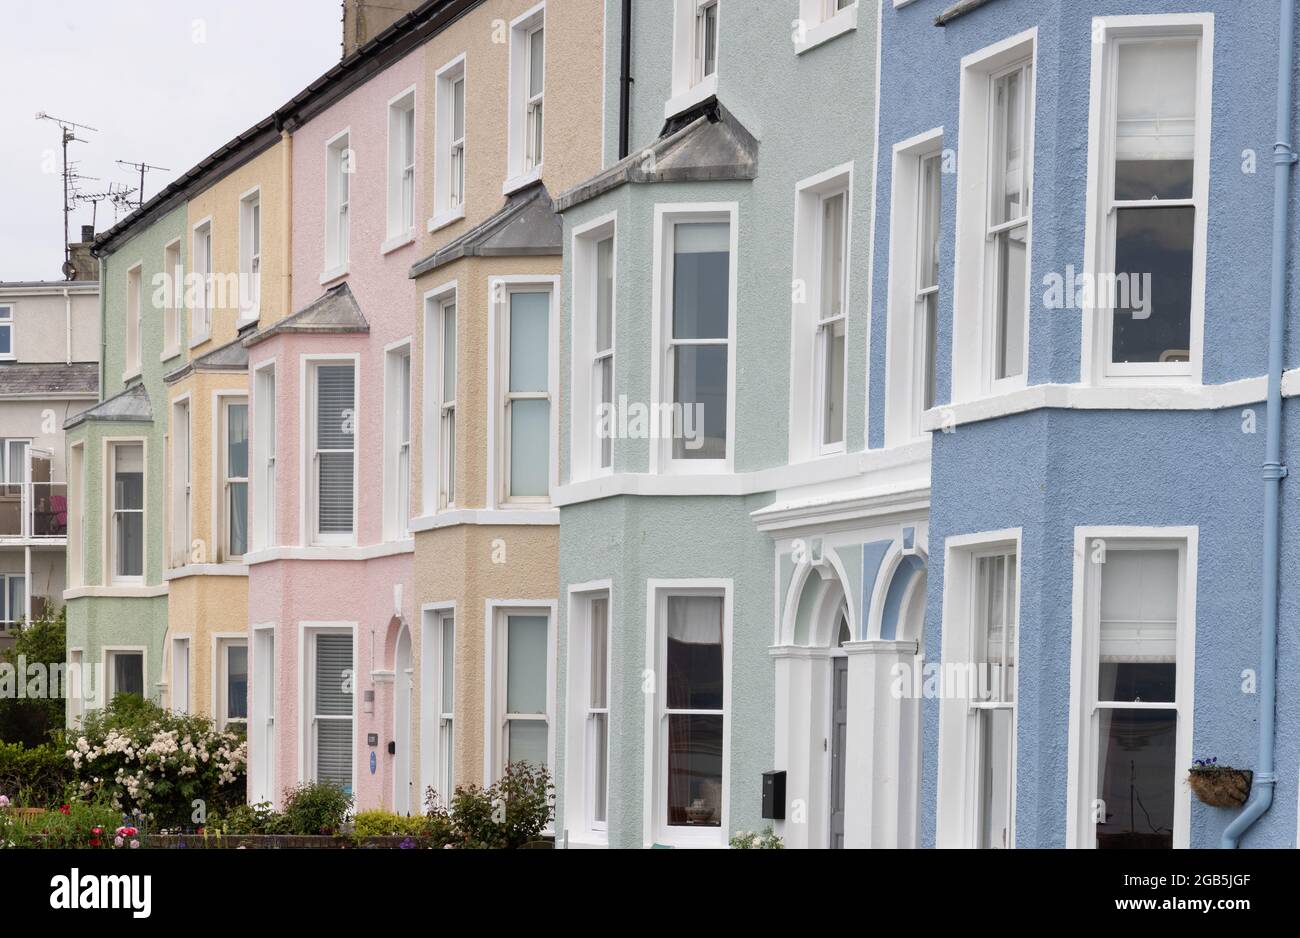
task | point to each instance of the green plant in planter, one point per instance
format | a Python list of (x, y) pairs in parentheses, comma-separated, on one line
[(748, 840), (316, 808)]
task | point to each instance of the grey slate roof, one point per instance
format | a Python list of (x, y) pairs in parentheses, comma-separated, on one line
[(526, 226), (335, 312), (230, 357), (31, 379), (131, 405), (704, 144)]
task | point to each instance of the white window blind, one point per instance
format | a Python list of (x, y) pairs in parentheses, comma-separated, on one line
[(332, 716), (335, 448)]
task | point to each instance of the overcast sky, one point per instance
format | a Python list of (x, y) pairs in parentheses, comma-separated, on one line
[(164, 81)]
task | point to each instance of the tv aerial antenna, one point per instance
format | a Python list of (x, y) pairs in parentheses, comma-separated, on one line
[(68, 133), (141, 168), (117, 193)]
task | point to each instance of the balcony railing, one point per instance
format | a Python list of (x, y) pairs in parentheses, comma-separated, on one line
[(34, 510)]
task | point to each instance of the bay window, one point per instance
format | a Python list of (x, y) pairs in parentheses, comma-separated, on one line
[(232, 682), (1010, 175), (526, 394), (126, 521), (234, 475), (330, 673), (1132, 681), (587, 787), (124, 673), (182, 492), (332, 429), (993, 699), (832, 294), (522, 685), (1147, 231), (264, 501), (690, 713), (593, 417)]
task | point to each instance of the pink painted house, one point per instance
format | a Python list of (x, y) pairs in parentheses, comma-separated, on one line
[(330, 574)]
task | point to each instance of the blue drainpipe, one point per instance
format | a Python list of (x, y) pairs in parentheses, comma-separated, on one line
[(1261, 794)]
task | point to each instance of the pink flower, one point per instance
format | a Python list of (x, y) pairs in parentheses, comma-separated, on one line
[(117, 841), (4, 801), (135, 845)]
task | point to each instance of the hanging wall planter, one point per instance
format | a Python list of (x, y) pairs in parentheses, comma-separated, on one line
[(1219, 786)]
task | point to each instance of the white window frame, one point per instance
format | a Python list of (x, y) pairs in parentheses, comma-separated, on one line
[(262, 745), (689, 86), (523, 168), (398, 442), (250, 255), (107, 654), (222, 643), (262, 497), (78, 689), (449, 159), (182, 664), (437, 725), (497, 720), (438, 453), (174, 290), (111, 445), (975, 281), (7, 326), (308, 632), (133, 361), (823, 20), (201, 260), (310, 518), (667, 217), (580, 728), (77, 514), (655, 805), (6, 579), (340, 165), (808, 334), (906, 352), (585, 440), (401, 176), (1085, 612), (957, 809), (220, 463), (181, 528), (500, 290), (1107, 32)]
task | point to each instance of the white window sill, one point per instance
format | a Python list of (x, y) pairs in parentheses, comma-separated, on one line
[(250, 319), (199, 340), (169, 353), (130, 375), (398, 241), (691, 97), (334, 273), (842, 22), (8, 358), (515, 183), (449, 217), (587, 840)]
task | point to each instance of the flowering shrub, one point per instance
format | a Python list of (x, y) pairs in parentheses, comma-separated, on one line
[(144, 759), (316, 808), (748, 840), (78, 825), (507, 815)]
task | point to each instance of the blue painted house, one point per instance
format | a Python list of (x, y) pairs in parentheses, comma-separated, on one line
[(1073, 263)]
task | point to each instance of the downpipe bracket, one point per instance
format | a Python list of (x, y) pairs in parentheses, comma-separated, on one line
[(1275, 472)]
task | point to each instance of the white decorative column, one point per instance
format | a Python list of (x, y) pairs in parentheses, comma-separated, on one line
[(873, 802)]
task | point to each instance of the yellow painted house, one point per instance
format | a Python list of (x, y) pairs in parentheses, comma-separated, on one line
[(513, 98), (236, 240)]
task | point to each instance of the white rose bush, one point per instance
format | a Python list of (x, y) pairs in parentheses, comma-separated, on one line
[(170, 768)]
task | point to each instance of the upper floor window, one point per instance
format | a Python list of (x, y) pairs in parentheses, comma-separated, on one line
[(332, 429), (593, 419), (181, 493), (695, 53), (234, 474), (401, 166), (134, 321), (126, 523), (174, 293), (201, 310), (397, 443), (250, 255), (338, 194), (991, 321), (6, 331), (697, 362), (833, 259), (706, 39), (525, 443), (449, 176), (1150, 168), (527, 90), (264, 502)]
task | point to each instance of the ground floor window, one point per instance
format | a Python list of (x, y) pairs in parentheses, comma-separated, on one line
[(522, 687), (125, 673), (330, 675)]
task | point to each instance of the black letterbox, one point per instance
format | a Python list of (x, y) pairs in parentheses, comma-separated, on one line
[(774, 795)]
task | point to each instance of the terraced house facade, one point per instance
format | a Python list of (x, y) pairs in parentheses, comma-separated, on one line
[(839, 416)]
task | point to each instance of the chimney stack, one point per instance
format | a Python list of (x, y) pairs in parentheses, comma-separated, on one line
[(363, 20), (83, 264)]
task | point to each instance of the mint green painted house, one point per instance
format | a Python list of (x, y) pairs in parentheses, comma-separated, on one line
[(117, 592)]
